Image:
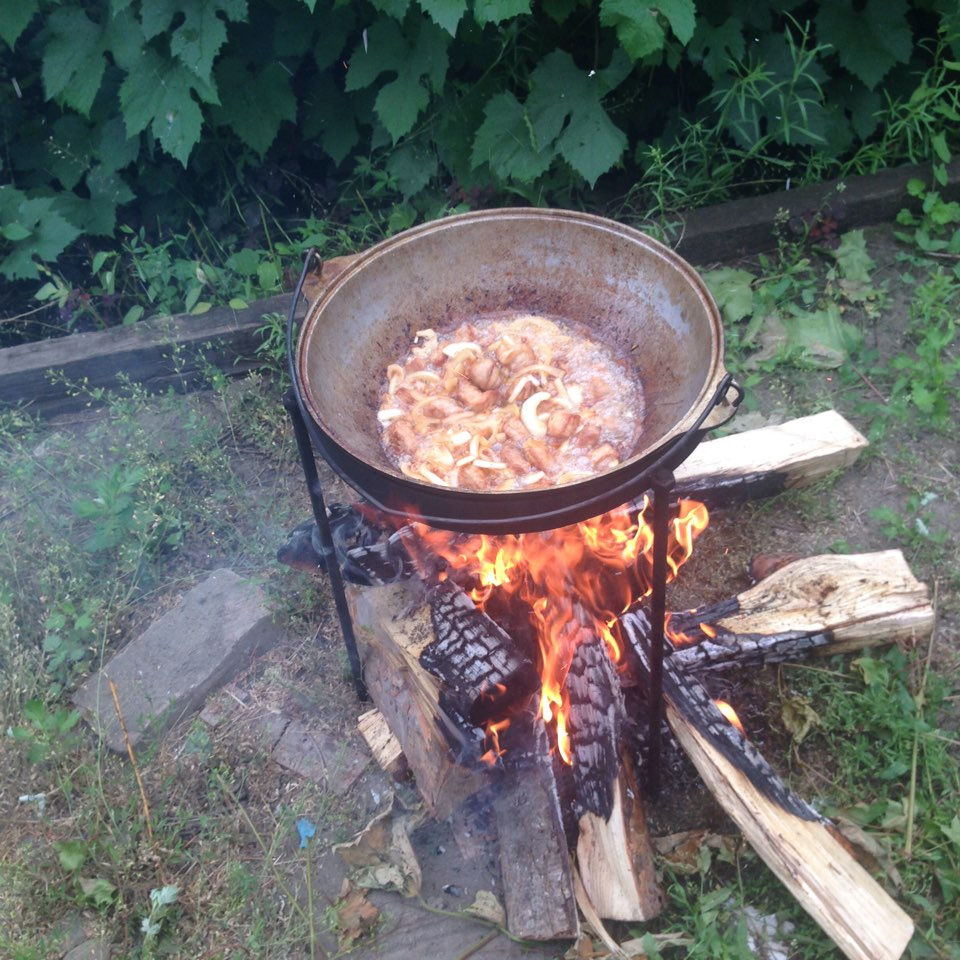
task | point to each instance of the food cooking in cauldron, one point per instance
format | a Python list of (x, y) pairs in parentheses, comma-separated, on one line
[(509, 402)]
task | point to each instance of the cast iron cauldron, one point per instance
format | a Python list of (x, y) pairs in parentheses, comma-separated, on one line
[(633, 293)]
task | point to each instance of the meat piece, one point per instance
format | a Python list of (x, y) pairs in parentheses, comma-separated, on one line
[(473, 397), (441, 407), (514, 458), (540, 455), (562, 424), (401, 438), (484, 373), (475, 478)]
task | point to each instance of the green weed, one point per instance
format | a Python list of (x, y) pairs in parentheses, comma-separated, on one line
[(893, 774)]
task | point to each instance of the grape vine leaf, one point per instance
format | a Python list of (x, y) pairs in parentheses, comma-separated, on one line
[(416, 62), (504, 141), (14, 18), (496, 11), (200, 33), (73, 61), (392, 8), (868, 41), (638, 27), (254, 104), (445, 13), (159, 94), (565, 106), (328, 115), (714, 46), (42, 232)]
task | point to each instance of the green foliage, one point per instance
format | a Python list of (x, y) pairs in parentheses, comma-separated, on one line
[(179, 105), (787, 314), (894, 776)]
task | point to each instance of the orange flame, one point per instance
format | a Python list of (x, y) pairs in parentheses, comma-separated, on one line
[(730, 714), (493, 738), (590, 571)]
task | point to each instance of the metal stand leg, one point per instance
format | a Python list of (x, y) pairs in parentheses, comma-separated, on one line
[(663, 483), (315, 491)]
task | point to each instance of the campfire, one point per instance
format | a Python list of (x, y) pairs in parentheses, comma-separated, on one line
[(518, 667)]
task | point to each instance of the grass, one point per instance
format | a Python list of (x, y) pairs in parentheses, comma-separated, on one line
[(103, 520)]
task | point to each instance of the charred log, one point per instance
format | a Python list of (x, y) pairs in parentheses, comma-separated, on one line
[(595, 722), (483, 671), (689, 698)]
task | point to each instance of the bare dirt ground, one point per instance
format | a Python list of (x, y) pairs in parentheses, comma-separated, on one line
[(305, 677)]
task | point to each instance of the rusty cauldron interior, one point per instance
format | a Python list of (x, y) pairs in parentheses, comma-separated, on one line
[(633, 293)]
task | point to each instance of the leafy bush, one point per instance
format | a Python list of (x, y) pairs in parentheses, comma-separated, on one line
[(156, 111)]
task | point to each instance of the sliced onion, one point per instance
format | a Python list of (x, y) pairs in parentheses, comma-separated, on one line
[(529, 478), (528, 413), (385, 416), (490, 464), (519, 385), (452, 349)]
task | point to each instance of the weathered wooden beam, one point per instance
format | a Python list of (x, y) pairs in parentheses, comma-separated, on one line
[(769, 460), (535, 863)]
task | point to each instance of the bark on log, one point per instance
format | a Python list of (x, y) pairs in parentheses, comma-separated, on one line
[(534, 859), (409, 697), (830, 603), (848, 904), (615, 857), (767, 461), (594, 724)]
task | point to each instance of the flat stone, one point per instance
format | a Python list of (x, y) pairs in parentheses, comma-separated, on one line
[(95, 949), (320, 757), (167, 672)]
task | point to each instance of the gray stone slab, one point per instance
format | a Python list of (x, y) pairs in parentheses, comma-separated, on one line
[(95, 949), (318, 756), (166, 672)]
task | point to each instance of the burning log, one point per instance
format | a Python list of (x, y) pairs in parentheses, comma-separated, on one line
[(767, 461), (596, 717), (482, 669), (615, 856), (828, 604)]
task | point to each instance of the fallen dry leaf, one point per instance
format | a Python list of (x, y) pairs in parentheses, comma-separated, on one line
[(381, 856), (487, 907), (355, 915)]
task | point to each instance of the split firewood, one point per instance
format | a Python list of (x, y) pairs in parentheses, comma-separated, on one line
[(615, 856), (383, 744), (828, 604), (848, 904), (767, 461), (409, 697), (534, 860)]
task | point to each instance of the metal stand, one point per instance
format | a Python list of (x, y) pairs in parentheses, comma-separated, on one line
[(315, 490), (662, 484)]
